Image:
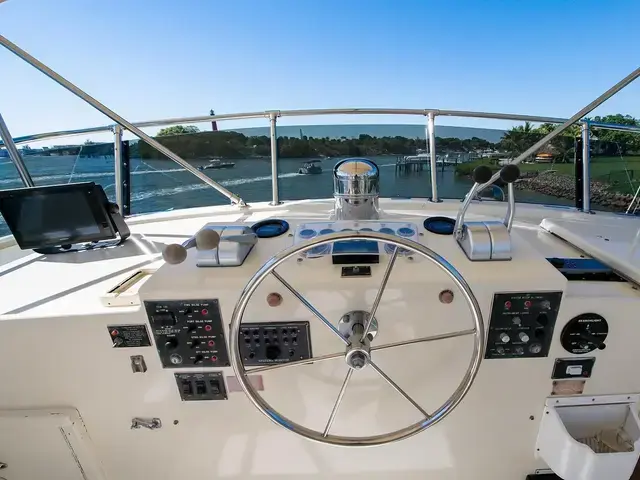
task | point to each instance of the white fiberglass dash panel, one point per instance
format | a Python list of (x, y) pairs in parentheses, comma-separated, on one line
[(307, 231), (614, 241)]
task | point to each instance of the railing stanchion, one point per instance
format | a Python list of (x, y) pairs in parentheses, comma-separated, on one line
[(431, 132), (117, 165), (275, 196), (126, 178), (14, 154), (586, 166), (577, 170)]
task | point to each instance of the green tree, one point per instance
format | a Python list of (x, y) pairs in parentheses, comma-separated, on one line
[(177, 130), (563, 146), (519, 139), (612, 142)]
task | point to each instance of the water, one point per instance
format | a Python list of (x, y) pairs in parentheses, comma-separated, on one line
[(160, 185)]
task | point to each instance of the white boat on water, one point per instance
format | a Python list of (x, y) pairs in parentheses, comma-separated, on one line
[(273, 340), (312, 167), (216, 164)]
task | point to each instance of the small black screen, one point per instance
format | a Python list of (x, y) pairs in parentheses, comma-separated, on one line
[(52, 217)]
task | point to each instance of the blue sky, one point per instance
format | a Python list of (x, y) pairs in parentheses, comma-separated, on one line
[(166, 58)]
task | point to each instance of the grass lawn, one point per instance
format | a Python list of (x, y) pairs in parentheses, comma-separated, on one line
[(623, 173)]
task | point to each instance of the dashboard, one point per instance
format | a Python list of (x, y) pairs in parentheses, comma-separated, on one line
[(553, 326)]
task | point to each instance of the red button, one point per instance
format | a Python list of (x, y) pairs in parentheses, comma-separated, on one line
[(214, 359), (527, 304), (207, 328), (507, 304), (211, 343), (205, 311), (114, 333)]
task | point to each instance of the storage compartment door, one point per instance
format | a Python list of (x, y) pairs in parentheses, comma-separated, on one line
[(47, 444)]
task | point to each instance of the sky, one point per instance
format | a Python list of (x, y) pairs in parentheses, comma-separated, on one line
[(151, 59)]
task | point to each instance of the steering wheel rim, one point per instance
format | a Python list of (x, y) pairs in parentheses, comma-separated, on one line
[(449, 405)]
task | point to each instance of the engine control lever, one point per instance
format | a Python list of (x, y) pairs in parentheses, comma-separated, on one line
[(481, 174), (205, 239), (509, 174)]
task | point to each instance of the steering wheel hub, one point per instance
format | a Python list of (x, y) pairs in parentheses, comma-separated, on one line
[(357, 359)]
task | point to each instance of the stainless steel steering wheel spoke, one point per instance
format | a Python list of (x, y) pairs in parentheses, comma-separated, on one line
[(296, 363), (311, 308), (383, 285), (334, 411), (431, 338), (398, 389)]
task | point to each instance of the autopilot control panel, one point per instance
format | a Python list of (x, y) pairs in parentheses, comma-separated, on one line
[(522, 324)]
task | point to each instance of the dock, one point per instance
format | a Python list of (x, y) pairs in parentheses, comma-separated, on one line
[(416, 163)]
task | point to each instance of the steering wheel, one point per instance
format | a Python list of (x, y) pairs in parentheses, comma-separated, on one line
[(359, 351)]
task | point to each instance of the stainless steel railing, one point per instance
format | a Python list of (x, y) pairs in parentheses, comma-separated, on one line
[(273, 115), (430, 114)]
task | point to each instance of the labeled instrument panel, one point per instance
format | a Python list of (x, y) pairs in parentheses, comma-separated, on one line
[(274, 342), (585, 333), (188, 333), (522, 324)]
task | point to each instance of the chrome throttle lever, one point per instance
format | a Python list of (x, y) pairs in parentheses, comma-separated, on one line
[(509, 174), (481, 175), (488, 239)]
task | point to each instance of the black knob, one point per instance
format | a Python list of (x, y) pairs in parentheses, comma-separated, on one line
[(481, 174), (509, 173), (198, 359), (195, 343), (272, 352), (543, 319), (171, 343)]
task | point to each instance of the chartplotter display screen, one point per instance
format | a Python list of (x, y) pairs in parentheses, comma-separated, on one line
[(56, 215)]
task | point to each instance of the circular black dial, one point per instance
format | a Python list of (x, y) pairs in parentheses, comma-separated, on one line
[(270, 228), (440, 225), (584, 333)]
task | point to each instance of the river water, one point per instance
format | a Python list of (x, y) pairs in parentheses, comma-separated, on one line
[(160, 185)]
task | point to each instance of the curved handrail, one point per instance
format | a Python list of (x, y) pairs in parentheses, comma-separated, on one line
[(294, 113)]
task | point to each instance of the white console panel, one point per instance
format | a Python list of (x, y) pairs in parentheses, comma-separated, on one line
[(69, 361)]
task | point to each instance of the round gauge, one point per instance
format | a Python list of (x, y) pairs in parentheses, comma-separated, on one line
[(326, 231), (307, 233), (388, 231), (406, 231), (366, 229), (347, 230), (584, 333), (270, 228), (440, 225)]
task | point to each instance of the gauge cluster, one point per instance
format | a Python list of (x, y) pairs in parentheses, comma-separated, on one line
[(310, 230), (522, 324)]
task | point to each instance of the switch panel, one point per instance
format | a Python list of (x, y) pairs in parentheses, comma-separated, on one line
[(522, 324), (201, 386), (280, 342), (188, 333)]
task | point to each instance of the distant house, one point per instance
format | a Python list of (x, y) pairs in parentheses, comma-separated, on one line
[(544, 157)]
